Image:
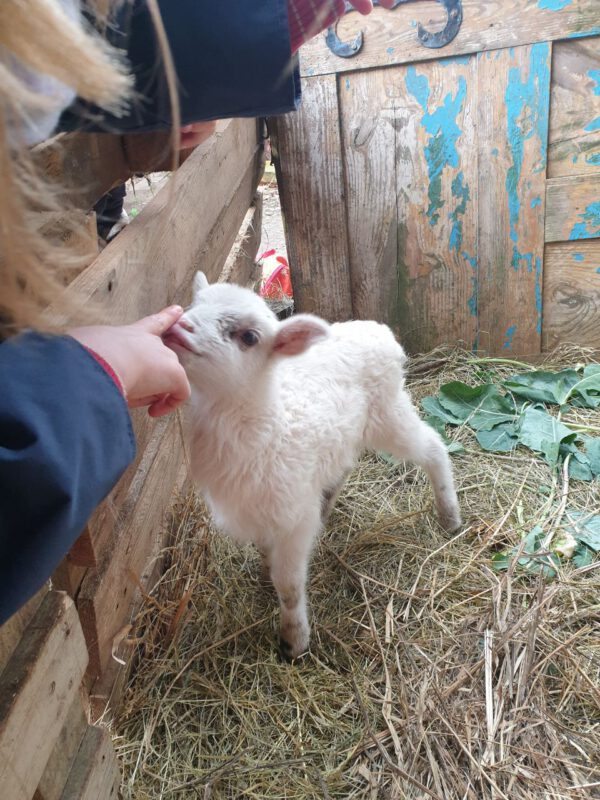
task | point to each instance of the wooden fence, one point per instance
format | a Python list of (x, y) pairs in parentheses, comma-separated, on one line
[(58, 655), (452, 193)]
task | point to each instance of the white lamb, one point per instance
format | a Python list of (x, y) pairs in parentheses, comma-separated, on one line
[(279, 414)]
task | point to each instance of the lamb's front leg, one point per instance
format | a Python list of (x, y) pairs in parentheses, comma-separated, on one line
[(289, 569)]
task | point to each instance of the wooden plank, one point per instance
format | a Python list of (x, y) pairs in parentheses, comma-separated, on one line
[(311, 183), (64, 753), (182, 229), (108, 594), (572, 294), (574, 139), (391, 36), (409, 137), (242, 257), (37, 689), (514, 88), (95, 774), (573, 208), (13, 629)]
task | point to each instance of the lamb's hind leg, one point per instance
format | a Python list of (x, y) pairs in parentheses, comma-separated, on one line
[(289, 569), (407, 437)]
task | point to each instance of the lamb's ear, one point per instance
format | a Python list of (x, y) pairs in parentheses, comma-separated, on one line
[(297, 334), (200, 283)]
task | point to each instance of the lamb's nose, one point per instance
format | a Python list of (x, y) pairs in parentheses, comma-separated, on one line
[(187, 326)]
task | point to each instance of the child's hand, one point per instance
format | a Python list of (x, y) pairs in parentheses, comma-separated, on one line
[(150, 373), (366, 6)]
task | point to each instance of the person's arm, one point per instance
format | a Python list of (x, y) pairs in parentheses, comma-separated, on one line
[(65, 439)]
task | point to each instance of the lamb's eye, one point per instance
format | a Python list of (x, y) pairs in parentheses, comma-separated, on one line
[(249, 338)]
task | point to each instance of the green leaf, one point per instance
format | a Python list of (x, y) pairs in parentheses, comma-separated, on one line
[(529, 560), (433, 407), (501, 439), (583, 556), (547, 387), (542, 432), (579, 467), (455, 447), (437, 424), (592, 451), (482, 407), (585, 529)]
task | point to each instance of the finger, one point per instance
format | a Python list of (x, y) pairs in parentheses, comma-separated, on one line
[(161, 322), (387, 3), (164, 405), (140, 402), (362, 6)]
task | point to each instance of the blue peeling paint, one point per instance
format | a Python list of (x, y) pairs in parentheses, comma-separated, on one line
[(472, 301), (598, 270), (537, 201), (594, 159), (595, 76), (584, 34), (455, 60), (495, 151), (578, 257), (461, 192), (590, 219), (594, 125), (443, 131), (575, 158), (347, 83), (390, 51), (553, 5), (310, 71), (413, 23), (527, 104), (509, 336), (538, 293)]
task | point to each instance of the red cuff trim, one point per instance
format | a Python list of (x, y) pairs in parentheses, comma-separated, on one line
[(108, 369), (307, 18)]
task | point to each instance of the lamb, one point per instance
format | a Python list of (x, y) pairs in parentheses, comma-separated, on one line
[(279, 414)]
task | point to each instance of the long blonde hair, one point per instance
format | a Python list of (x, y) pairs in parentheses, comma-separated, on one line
[(41, 36)]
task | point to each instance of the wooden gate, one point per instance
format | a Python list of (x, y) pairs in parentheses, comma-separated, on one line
[(454, 193)]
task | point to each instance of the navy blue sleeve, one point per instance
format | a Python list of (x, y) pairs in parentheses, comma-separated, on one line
[(232, 58), (65, 439)]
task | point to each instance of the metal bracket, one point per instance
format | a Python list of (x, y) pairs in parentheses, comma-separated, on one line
[(427, 39)]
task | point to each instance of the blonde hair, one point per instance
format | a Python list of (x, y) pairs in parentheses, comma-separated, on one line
[(41, 36)]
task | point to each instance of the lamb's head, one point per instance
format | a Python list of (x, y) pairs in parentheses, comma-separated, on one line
[(228, 338)]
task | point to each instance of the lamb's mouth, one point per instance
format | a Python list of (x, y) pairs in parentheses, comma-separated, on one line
[(177, 342)]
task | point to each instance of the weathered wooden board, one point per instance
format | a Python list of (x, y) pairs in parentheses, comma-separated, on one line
[(408, 136), (95, 774), (311, 184), (37, 689), (391, 36), (152, 261), (108, 594), (573, 208), (241, 260), (572, 294), (12, 630), (512, 135), (574, 139), (63, 755)]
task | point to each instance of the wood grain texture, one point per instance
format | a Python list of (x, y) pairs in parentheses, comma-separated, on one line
[(108, 594), (151, 263), (574, 139), (408, 135), (573, 208), (391, 36), (512, 135), (63, 755), (572, 294), (37, 689), (241, 260), (307, 153), (13, 629), (95, 774)]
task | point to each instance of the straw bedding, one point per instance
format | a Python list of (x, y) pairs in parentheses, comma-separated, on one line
[(431, 675)]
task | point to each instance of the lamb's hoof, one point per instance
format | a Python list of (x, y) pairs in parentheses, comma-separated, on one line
[(450, 520), (286, 651)]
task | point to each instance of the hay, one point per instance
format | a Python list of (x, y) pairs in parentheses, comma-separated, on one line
[(430, 675)]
